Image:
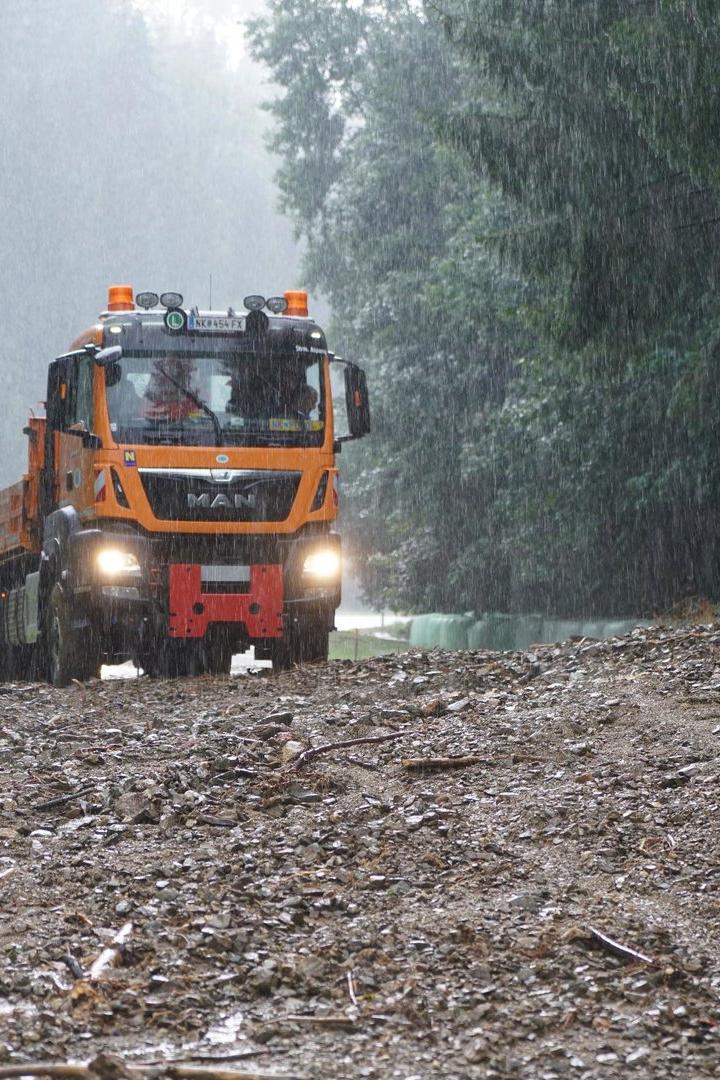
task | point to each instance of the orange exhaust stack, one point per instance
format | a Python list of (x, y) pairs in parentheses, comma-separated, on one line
[(297, 301), (120, 298)]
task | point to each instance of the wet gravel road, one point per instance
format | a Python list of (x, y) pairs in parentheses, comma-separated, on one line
[(178, 882)]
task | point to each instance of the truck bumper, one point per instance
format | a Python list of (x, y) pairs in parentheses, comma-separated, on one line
[(196, 600), (256, 600)]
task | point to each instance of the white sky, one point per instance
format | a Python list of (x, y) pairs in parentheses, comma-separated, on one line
[(224, 17)]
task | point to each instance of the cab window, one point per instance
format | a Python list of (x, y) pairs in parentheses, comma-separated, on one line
[(79, 399)]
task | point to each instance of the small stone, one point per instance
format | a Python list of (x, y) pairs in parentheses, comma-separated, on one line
[(291, 749), (283, 718), (637, 1055), (459, 706)]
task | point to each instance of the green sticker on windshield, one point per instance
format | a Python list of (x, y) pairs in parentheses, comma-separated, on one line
[(175, 320), (279, 423)]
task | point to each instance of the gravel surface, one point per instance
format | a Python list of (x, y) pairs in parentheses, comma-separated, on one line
[(355, 912)]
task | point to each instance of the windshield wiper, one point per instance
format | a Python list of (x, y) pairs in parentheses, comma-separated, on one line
[(166, 437), (197, 401)]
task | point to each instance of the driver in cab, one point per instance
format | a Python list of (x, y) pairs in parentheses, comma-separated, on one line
[(172, 393), (284, 393)]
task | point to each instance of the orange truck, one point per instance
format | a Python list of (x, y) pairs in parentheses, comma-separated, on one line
[(181, 493)]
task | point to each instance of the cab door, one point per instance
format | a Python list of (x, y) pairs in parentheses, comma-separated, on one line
[(75, 443)]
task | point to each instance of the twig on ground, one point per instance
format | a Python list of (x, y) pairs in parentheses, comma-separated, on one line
[(45, 1068), (211, 819), (181, 1072), (62, 799), (351, 988), (339, 1020), (315, 751), (623, 951), (108, 957), (421, 764), (241, 1055)]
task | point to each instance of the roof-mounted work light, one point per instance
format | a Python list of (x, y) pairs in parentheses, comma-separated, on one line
[(120, 298), (277, 304), (297, 303), (171, 299), (254, 303), (147, 300)]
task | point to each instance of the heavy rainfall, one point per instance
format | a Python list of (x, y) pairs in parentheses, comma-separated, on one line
[(359, 539)]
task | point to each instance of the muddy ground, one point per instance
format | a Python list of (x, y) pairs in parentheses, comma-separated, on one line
[(349, 914)]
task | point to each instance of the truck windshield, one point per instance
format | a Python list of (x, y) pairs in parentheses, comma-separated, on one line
[(234, 399)]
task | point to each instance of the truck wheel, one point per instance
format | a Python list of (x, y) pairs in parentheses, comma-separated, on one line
[(7, 664), (282, 653), (62, 651), (24, 663), (89, 658), (217, 657), (176, 660), (305, 642), (312, 642)]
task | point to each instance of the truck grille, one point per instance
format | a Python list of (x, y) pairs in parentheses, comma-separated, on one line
[(220, 495)]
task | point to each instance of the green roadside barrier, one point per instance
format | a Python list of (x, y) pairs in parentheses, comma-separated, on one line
[(440, 631), (500, 632), (493, 631)]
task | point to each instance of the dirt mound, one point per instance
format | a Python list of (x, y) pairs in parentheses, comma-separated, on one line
[(488, 865)]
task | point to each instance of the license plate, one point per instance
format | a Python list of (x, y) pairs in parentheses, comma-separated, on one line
[(216, 324)]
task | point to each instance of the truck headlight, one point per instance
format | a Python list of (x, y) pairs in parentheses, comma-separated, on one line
[(113, 562), (323, 565)]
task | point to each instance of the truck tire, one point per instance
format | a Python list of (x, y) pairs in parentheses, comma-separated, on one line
[(89, 658), (62, 643), (24, 663), (175, 659), (304, 642), (217, 657), (7, 665)]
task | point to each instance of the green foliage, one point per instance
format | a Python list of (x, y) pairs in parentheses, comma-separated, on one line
[(513, 211)]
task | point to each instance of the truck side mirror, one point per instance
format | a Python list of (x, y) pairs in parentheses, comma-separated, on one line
[(90, 440), (111, 355), (356, 401)]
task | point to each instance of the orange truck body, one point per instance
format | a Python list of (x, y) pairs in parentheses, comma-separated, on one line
[(194, 530)]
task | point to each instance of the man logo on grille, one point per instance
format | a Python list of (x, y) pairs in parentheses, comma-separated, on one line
[(220, 502)]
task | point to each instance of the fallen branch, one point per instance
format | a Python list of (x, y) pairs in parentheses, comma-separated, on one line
[(315, 751), (62, 799), (241, 1055), (181, 1072), (421, 764), (351, 987), (109, 956), (45, 1068), (201, 1072), (623, 951), (338, 1021), (211, 819)]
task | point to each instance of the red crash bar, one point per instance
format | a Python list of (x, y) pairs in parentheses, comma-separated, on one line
[(196, 599)]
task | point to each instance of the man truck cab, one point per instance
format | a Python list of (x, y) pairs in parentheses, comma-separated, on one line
[(181, 493)]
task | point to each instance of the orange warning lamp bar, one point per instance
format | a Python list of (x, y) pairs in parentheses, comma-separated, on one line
[(120, 298), (297, 303)]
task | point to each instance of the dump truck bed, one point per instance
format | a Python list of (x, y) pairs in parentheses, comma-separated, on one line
[(19, 508), (11, 517)]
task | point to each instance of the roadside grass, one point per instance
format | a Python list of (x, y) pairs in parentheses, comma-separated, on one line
[(362, 644)]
